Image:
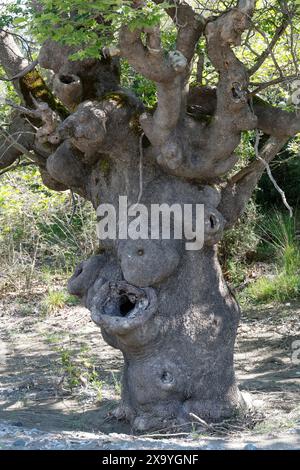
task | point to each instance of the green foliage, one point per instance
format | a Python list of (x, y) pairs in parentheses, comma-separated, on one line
[(279, 231), (143, 88), (280, 235), (37, 233), (238, 244), (78, 369), (89, 25), (55, 300), (280, 288)]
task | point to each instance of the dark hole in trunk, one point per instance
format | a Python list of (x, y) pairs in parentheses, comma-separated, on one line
[(126, 305), (67, 79), (212, 221), (235, 94)]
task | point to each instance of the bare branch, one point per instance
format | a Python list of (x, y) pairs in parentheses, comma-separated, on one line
[(278, 33), (276, 81), (269, 172), (47, 133), (15, 141), (238, 190), (22, 74)]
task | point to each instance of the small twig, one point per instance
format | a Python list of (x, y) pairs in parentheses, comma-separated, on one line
[(267, 166), (276, 81), (74, 204), (22, 74), (17, 165), (200, 420)]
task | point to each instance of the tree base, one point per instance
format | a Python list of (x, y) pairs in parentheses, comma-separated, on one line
[(183, 416)]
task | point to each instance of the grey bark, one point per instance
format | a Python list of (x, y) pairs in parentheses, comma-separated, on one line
[(11, 58)]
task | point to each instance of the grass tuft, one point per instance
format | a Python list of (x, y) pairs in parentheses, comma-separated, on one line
[(55, 300)]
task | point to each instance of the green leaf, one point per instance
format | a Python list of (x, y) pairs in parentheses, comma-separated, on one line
[(18, 21)]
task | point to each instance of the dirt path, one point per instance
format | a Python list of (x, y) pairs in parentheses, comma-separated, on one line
[(58, 376)]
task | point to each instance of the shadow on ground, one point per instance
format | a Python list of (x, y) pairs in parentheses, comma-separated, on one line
[(34, 378)]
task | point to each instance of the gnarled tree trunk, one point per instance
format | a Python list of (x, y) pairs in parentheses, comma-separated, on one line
[(177, 340)]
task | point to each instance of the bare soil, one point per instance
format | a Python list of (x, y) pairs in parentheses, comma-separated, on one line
[(59, 381)]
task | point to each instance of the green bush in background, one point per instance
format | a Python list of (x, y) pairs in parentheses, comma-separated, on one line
[(42, 231), (279, 233)]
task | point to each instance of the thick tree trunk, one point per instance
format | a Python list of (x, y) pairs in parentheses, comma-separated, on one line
[(177, 339), (166, 308), (186, 366)]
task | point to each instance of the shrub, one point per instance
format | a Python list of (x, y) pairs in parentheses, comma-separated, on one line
[(41, 230), (282, 288), (279, 232), (57, 299), (280, 236), (239, 244)]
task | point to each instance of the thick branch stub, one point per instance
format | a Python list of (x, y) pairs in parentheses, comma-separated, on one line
[(96, 77), (269, 50), (47, 132), (148, 61)]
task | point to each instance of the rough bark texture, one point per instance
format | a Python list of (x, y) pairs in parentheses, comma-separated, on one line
[(167, 309), (177, 336)]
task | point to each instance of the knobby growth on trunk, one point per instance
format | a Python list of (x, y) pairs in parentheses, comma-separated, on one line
[(166, 308)]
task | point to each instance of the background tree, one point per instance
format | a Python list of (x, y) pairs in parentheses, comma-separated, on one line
[(167, 309)]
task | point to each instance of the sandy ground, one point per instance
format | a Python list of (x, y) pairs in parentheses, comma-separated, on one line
[(59, 383)]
